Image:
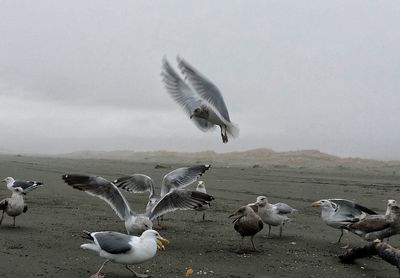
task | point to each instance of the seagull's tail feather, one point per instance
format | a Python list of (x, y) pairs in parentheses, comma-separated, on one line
[(233, 130)]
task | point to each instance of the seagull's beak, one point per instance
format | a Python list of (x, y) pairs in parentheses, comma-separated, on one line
[(191, 116), (316, 204), (3, 180), (161, 242)]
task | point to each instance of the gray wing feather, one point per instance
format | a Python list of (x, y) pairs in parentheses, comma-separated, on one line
[(282, 208), (27, 185), (136, 183), (351, 207), (184, 95), (182, 177), (204, 88), (113, 242), (103, 189), (179, 199)]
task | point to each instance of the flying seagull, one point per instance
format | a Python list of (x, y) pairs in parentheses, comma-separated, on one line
[(26, 186), (135, 222), (174, 180), (247, 223), (339, 213), (13, 206), (272, 214), (199, 97), (124, 249)]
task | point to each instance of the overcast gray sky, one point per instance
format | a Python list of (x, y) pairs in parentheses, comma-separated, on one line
[(77, 75)]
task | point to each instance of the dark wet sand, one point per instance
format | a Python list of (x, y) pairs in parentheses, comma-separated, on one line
[(46, 242)]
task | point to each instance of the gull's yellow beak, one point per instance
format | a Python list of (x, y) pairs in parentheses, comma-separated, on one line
[(316, 204), (161, 242)]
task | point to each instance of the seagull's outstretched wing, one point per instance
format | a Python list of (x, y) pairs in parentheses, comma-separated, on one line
[(179, 199), (184, 95), (182, 177), (101, 188), (205, 88), (136, 183), (350, 207)]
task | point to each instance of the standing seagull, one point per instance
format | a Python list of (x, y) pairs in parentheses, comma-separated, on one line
[(14, 205), (26, 186), (174, 180), (339, 213), (201, 187), (134, 222), (272, 214), (247, 223), (378, 226), (202, 100), (124, 249)]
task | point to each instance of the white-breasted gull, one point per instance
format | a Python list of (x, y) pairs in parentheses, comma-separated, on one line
[(124, 249), (26, 186), (13, 206), (339, 213), (272, 214)]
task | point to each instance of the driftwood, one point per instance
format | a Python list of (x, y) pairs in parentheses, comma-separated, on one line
[(383, 250)]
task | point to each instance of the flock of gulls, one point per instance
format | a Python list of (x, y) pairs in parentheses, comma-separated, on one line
[(205, 106)]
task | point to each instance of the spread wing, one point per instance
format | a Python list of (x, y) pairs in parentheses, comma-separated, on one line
[(179, 199), (184, 95), (136, 183), (101, 188), (207, 90), (351, 207), (182, 177)]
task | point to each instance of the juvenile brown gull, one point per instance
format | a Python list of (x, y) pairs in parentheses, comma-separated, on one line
[(247, 223), (378, 226)]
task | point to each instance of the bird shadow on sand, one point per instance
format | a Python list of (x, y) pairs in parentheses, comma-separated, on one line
[(10, 227)]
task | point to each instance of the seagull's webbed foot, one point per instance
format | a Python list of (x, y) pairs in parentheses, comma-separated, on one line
[(135, 274)]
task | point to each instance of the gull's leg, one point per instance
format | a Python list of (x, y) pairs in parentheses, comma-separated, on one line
[(340, 238), (280, 230), (269, 230), (97, 274), (204, 216), (14, 222), (135, 273), (254, 248), (2, 216)]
